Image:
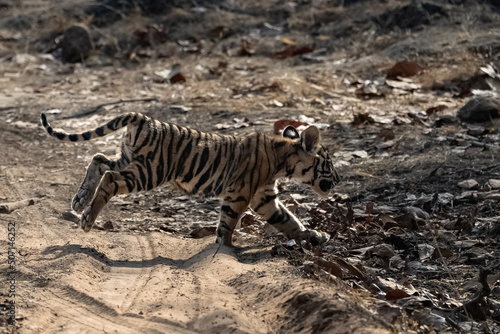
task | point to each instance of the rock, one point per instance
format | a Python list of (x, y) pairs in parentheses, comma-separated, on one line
[(494, 184), (24, 59), (480, 109), (108, 225), (203, 232), (468, 184), (417, 213), (494, 196), (360, 154), (76, 44)]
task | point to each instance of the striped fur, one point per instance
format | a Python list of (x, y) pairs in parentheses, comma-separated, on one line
[(243, 171)]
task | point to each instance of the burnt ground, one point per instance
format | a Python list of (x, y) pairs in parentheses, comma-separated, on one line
[(414, 223)]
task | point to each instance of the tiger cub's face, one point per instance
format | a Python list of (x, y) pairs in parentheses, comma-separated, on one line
[(312, 164)]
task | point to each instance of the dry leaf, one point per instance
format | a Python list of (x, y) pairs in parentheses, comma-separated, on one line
[(396, 294), (292, 51), (287, 40), (403, 69)]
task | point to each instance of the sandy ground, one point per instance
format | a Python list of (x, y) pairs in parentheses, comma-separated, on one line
[(397, 145)]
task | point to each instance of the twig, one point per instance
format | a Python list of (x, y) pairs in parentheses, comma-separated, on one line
[(13, 206), (218, 248), (95, 109), (492, 167), (474, 309), (322, 90)]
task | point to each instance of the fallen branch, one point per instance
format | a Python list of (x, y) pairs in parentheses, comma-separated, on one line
[(95, 109), (10, 207), (478, 308)]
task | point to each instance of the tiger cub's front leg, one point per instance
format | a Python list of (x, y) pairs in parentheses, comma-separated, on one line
[(111, 184), (266, 204), (99, 165), (231, 211)]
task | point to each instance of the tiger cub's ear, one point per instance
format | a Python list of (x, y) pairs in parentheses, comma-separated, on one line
[(310, 139), (290, 132)]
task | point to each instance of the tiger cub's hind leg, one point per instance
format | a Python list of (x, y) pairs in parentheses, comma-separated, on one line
[(112, 183), (231, 211), (99, 165)]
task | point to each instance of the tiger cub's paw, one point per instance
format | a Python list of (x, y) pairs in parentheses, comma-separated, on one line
[(318, 238), (87, 221), (81, 200)]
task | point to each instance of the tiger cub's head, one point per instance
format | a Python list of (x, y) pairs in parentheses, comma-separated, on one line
[(311, 162)]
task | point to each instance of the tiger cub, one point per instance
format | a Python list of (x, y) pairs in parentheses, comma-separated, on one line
[(243, 171)]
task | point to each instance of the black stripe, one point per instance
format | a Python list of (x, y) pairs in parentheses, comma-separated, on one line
[(116, 188), (125, 120), (159, 168), (255, 171), (225, 173), (143, 177), (189, 175), (60, 135), (174, 164), (198, 138), (219, 184), (129, 179), (73, 137), (184, 156), (203, 179), (148, 140), (278, 217), (169, 163), (305, 170), (208, 190), (44, 120), (181, 139), (149, 171), (266, 156), (203, 160), (229, 212), (111, 125), (50, 130), (107, 194), (138, 131), (217, 159), (116, 122), (86, 135), (279, 144), (99, 131), (265, 201)]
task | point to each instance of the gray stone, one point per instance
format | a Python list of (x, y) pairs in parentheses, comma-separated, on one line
[(480, 109), (76, 44)]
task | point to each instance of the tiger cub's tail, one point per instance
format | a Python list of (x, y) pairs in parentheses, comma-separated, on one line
[(113, 125)]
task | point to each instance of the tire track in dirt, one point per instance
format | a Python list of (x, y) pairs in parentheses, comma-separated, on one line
[(65, 307), (120, 275), (91, 314)]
